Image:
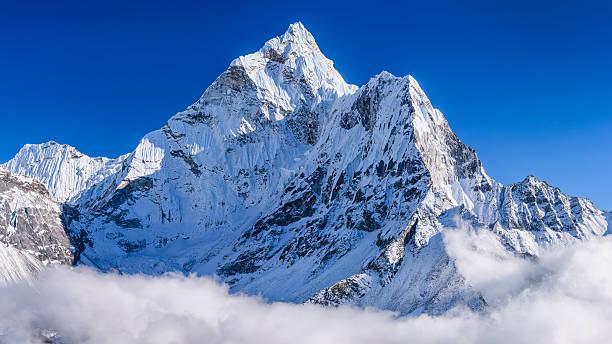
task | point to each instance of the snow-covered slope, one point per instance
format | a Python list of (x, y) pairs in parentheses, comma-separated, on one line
[(16, 264), (285, 181), (31, 231)]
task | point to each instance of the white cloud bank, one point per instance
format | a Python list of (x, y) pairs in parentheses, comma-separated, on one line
[(564, 297)]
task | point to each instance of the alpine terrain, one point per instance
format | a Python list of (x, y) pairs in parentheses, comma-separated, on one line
[(285, 181)]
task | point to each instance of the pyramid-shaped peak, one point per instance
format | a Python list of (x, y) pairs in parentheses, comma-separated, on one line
[(296, 41), (298, 33), (288, 74), (531, 179), (288, 64), (296, 28)]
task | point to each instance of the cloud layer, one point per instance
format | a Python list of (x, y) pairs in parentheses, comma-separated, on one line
[(563, 297)]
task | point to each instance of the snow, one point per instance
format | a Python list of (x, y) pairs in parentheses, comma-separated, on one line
[(16, 265)]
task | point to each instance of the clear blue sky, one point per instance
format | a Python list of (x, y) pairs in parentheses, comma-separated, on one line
[(526, 83)]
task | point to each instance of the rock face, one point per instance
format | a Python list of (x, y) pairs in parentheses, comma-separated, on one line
[(31, 231), (285, 181)]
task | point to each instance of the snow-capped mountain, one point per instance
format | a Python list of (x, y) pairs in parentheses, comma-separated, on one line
[(285, 181), (31, 231), (65, 171)]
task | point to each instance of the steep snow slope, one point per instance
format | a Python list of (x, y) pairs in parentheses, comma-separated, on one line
[(288, 182), (16, 264), (31, 231)]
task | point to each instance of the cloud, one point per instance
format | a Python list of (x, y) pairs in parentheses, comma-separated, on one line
[(563, 297)]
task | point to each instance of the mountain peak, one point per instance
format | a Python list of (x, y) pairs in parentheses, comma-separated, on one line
[(295, 42), (47, 149), (532, 180), (297, 28), (288, 75), (62, 168), (299, 34)]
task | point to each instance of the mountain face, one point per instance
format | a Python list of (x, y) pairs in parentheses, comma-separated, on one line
[(31, 231), (285, 181)]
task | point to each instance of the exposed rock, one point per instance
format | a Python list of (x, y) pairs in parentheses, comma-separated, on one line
[(31, 230)]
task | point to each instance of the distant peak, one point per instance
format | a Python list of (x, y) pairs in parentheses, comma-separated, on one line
[(384, 75), (388, 75), (533, 180), (49, 144), (46, 149), (59, 145)]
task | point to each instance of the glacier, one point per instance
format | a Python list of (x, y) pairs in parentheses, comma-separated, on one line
[(285, 181)]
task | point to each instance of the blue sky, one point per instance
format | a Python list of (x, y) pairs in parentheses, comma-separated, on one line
[(525, 83)]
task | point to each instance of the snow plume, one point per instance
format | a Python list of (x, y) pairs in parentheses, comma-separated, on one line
[(564, 296)]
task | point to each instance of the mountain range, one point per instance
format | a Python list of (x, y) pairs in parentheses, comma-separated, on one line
[(285, 181)]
